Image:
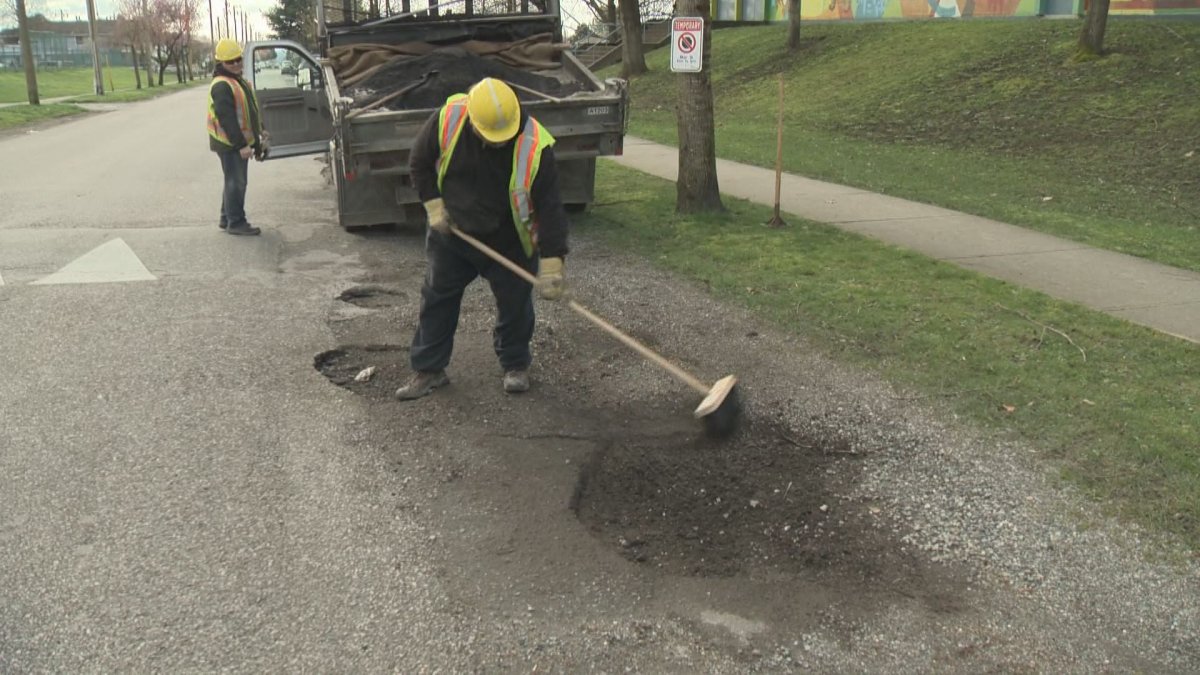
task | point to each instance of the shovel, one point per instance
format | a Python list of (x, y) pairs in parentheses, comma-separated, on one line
[(720, 409)]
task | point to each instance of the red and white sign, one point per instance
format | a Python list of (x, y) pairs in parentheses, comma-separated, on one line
[(687, 44)]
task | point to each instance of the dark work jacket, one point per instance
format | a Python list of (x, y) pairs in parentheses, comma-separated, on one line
[(476, 188), (226, 109)]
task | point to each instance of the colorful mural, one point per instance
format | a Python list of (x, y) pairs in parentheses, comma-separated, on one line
[(846, 10)]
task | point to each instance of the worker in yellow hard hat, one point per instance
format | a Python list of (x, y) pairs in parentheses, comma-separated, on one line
[(235, 133), (482, 165)]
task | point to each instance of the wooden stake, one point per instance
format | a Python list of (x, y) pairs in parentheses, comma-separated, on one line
[(776, 220)]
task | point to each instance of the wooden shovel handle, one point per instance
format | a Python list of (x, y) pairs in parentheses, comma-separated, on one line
[(679, 373)]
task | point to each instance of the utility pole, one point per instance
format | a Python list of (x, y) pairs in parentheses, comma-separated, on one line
[(97, 73), (31, 87), (212, 36)]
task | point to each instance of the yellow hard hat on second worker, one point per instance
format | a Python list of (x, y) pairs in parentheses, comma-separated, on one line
[(494, 110), (228, 49)]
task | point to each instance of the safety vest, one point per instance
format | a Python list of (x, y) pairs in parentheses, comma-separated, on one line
[(243, 112), (527, 158)]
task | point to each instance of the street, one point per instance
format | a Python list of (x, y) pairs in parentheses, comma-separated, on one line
[(191, 478)]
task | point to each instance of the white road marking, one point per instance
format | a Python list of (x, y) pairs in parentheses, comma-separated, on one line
[(112, 261)]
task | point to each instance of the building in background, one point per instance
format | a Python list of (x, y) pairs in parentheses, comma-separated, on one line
[(62, 44)]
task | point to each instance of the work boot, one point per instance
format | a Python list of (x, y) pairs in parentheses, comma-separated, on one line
[(246, 230), (223, 225), (422, 384), (516, 381)]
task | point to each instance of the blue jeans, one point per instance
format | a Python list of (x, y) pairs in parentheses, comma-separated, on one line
[(233, 196), (452, 265)]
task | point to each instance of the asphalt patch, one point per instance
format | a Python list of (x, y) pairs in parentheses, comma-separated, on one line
[(372, 297)]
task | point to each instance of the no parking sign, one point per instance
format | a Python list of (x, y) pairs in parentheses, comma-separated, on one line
[(687, 44)]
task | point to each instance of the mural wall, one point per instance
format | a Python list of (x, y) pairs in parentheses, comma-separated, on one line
[(833, 10), (905, 9)]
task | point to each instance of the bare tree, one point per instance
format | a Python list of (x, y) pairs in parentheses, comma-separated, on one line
[(133, 30), (793, 38), (605, 11), (1091, 36), (633, 57), (696, 189), (167, 22)]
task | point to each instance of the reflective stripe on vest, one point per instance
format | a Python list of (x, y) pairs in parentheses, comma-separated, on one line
[(527, 159), (240, 105)]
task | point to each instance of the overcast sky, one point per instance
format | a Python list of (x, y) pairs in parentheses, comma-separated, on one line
[(573, 11), (106, 9)]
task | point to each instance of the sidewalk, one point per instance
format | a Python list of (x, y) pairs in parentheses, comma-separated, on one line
[(1164, 298)]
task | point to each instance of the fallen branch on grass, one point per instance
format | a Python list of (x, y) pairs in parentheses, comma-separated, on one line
[(1045, 327)]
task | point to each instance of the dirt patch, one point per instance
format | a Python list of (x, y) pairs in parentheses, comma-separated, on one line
[(764, 502), (372, 297), (374, 371), (757, 502)]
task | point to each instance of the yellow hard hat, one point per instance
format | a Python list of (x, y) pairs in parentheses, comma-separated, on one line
[(228, 49), (494, 110)]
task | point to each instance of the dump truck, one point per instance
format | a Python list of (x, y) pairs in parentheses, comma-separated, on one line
[(384, 67)]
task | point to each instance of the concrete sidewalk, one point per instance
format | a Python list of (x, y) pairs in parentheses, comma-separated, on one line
[(1161, 297)]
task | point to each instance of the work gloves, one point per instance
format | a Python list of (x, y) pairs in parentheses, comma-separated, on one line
[(550, 283), (439, 219), (264, 147)]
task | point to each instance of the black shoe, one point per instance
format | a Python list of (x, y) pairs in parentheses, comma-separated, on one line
[(223, 225), (245, 230)]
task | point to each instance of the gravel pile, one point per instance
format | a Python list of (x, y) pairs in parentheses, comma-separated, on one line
[(1051, 584)]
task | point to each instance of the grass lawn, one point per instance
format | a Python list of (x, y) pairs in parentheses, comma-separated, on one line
[(75, 82), (987, 117), (20, 115), (119, 85), (1117, 406)]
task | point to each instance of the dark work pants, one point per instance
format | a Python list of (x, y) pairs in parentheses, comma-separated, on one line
[(233, 196), (453, 264)]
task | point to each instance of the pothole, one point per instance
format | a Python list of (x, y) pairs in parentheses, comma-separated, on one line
[(759, 501), (372, 296), (375, 371)]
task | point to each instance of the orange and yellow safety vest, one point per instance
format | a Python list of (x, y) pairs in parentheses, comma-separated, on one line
[(242, 105), (527, 159)]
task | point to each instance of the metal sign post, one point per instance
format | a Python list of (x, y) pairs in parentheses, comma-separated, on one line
[(687, 44)]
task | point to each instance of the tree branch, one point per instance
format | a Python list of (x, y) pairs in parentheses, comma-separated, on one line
[(1045, 327)]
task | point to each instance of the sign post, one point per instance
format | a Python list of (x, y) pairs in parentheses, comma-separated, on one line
[(687, 44)]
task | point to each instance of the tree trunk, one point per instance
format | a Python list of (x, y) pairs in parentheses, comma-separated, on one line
[(633, 53), (696, 189), (31, 86), (612, 12), (137, 72), (1091, 37), (793, 38)]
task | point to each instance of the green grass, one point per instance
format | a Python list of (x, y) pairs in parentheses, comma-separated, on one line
[(77, 83), (1121, 417), (119, 85), (987, 117), (22, 115)]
